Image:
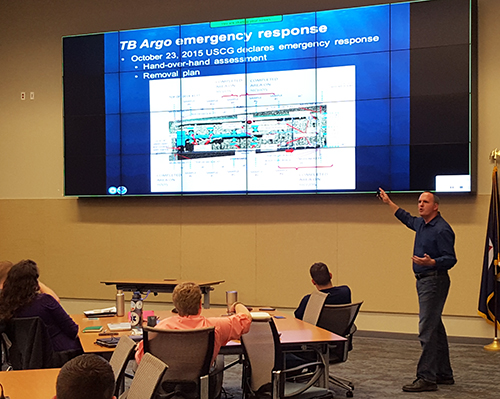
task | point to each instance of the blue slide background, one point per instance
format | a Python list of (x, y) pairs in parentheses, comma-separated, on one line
[(382, 82)]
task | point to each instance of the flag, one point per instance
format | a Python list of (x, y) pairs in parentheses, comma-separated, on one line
[(490, 294)]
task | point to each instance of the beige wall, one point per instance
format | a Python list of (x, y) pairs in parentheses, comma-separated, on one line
[(260, 246)]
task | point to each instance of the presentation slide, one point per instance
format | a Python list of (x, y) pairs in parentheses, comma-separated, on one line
[(256, 105)]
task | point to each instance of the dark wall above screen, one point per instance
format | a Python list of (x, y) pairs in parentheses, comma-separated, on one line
[(336, 101)]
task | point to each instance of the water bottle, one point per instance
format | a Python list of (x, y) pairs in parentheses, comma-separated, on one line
[(120, 303), (136, 309)]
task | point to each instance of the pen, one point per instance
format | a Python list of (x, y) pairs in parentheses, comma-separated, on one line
[(107, 333)]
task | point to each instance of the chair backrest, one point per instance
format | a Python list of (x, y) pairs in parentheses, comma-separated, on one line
[(119, 359), (262, 350), (339, 319), (5, 345), (314, 306), (188, 353), (147, 377), (31, 344)]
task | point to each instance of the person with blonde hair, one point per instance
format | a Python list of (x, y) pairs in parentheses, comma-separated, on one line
[(187, 300)]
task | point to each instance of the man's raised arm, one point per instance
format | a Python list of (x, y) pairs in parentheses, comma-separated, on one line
[(385, 198)]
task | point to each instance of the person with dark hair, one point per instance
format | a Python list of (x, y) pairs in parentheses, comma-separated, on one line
[(433, 256), (5, 266), (84, 377), (322, 280), (20, 297)]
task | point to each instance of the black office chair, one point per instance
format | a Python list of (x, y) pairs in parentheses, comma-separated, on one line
[(30, 346), (26, 344), (188, 354), (339, 319), (263, 371)]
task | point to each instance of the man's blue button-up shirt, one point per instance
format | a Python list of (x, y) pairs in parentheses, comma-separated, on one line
[(435, 239)]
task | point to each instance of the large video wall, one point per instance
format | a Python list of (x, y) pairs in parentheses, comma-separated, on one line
[(334, 101)]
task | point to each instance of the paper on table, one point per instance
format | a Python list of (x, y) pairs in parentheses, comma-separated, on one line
[(119, 326), (260, 316)]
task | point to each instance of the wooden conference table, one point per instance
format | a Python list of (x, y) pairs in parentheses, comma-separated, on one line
[(164, 286), (29, 384), (40, 384), (292, 331)]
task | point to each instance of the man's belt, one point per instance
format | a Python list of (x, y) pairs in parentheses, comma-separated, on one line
[(419, 276)]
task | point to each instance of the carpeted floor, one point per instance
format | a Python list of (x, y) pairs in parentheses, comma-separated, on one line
[(379, 367)]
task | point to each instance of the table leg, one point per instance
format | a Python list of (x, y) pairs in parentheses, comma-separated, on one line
[(326, 361), (206, 297)]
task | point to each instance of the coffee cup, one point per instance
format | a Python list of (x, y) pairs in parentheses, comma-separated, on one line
[(231, 297)]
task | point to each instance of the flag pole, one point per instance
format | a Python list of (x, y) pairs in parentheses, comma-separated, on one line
[(495, 345)]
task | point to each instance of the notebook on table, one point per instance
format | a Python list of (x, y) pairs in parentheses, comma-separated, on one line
[(111, 342)]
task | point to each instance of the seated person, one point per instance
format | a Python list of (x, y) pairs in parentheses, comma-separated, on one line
[(187, 301), (322, 280), (85, 376), (5, 266), (21, 297)]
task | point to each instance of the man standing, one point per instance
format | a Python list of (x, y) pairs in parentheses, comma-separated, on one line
[(433, 256), (322, 280)]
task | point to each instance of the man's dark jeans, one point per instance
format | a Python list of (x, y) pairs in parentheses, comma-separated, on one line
[(435, 358)]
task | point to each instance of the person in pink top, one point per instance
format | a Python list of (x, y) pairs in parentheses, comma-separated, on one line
[(187, 301)]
